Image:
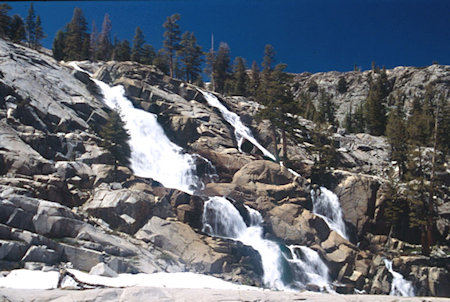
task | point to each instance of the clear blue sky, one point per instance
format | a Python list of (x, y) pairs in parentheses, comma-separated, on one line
[(307, 35)]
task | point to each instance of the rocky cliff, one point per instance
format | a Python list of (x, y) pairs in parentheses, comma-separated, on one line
[(61, 201), (409, 82)]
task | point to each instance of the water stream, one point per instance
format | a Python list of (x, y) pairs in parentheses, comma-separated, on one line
[(309, 267), (222, 219), (326, 205), (399, 286), (241, 131), (152, 153)]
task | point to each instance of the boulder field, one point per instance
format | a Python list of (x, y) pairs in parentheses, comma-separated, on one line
[(62, 201)]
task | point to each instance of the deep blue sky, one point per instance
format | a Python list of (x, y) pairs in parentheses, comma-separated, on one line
[(307, 35)]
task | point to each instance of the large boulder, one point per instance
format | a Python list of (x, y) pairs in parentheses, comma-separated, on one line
[(39, 216), (262, 171), (126, 210), (296, 225), (18, 157), (200, 253), (357, 195)]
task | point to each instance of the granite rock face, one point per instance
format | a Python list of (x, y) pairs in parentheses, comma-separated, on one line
[(409, 81), (61, 200)]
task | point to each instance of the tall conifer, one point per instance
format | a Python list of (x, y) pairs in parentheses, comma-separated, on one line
[(240, 78), (172, 39), (4, 19), (17, 29), (221, 67), (38, 33), (190, 54), (76, 42), (31, 26), (104, 40), (138, 44)]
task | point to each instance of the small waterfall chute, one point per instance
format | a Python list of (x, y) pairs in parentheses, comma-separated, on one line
[(222, 219), (326, 205), (309, 267), (241, 132), (399, 286)]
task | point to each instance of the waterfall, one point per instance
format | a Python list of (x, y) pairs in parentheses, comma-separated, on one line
[(152, 153), (399, 286), (327, 206), (241, 131), (309, 267), (222, 219)]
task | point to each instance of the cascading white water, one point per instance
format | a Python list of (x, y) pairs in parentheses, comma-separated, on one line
[(221, 218), (255, 218), (309, 266), (155, 156), (152, 153), (399, 286), (327, 206), (240, 130)]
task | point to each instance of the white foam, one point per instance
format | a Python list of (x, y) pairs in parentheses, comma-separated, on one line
[(327, 206), (152, 153)]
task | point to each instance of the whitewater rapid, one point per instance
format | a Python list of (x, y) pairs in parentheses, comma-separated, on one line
[(399, 286), (326, 205), (222, 219), (241, 131), (153, 155)]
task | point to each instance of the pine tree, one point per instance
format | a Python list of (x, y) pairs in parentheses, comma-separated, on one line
[(190, 54), (396, 206), (325, 156), (161, 61), (342, 85), (38, 33), (221, 67), (138, 44), (172, 39), (240, 77), (375, 112), (148, 54), (122, 51), (397, 138), (115, 140), (443, 138), (104, 40), (31, 26), (348, 120), (76, 41), (59, 46), (178, 71), (17, 29), (254, 79), (359, 121), (268, 61), (5, 20), (93, 42), (279, 106), (306, 107), (209, 68), (326, 109), (425, 185)]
